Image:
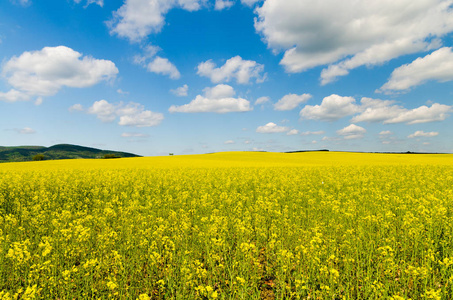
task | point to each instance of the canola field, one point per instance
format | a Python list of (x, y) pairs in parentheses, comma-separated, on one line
[(318, 225)]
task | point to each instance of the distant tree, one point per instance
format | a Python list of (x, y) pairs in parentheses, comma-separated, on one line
[(170, 154), (38, 157), (107, 156)]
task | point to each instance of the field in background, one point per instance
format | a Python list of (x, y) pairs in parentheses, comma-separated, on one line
[(319, 225)]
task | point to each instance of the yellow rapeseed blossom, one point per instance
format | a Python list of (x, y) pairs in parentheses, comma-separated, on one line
[(238, 225)]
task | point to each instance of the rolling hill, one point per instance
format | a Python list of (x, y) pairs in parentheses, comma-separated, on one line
[(61, 151)]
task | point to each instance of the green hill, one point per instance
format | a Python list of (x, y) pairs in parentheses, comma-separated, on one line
[(61, 151)]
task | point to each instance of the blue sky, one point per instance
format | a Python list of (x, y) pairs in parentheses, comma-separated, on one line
[(197, 76)]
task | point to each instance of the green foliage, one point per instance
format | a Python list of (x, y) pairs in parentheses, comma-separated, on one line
[(107, 156), (37, 157), (62, 151)]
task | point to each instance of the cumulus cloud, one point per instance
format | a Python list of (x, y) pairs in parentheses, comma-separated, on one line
[(291, 101), (156, 64), (136, 19), (38, 101), (45, 72), (262, 100), (219, 91), (76, 107), (234, 68), (312, 132), (346, 35), (435, 66), (25, 130), (23, 3), (229, 142), (134, 134), (218, 99), (121, 92), (352, 132), (181, 91), (422, 114), (335, 107), (271, 128), (423, 134), (88, 2), (131, 114), (134, 114), (149, 51), (385, 133), (332, 108), (222, 4), (376, 110), (163, 66), (14, 95), (104, 111), (249, 2), (292, 132)]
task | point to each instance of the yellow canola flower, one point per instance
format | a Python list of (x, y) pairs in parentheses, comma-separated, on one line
[(143, 297), (112, 285), (317, 225)]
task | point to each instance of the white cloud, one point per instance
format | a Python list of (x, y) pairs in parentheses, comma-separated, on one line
[(76, 107), (385, 133), (234, 68), (156, 64), (149, 51), (292, 132), (181, 91), (222, 4), (104, 111), (23, 3), (163, 66), (219, 91), (271, 128), (435, 66), (423, 134), (14, 95), (218, 99), (332, 108), (88, 2), (376, 110), (132, 114), (291, 101), (134, 134), (136, 19), (38, 101), (262, 100), (312, 132), (121, 92), (422, 114), (352, 132), (349, 34), (144, 118), (249, 2), (335, 107), (45, 72), (25, 130), (229, 142), (375, 55)]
